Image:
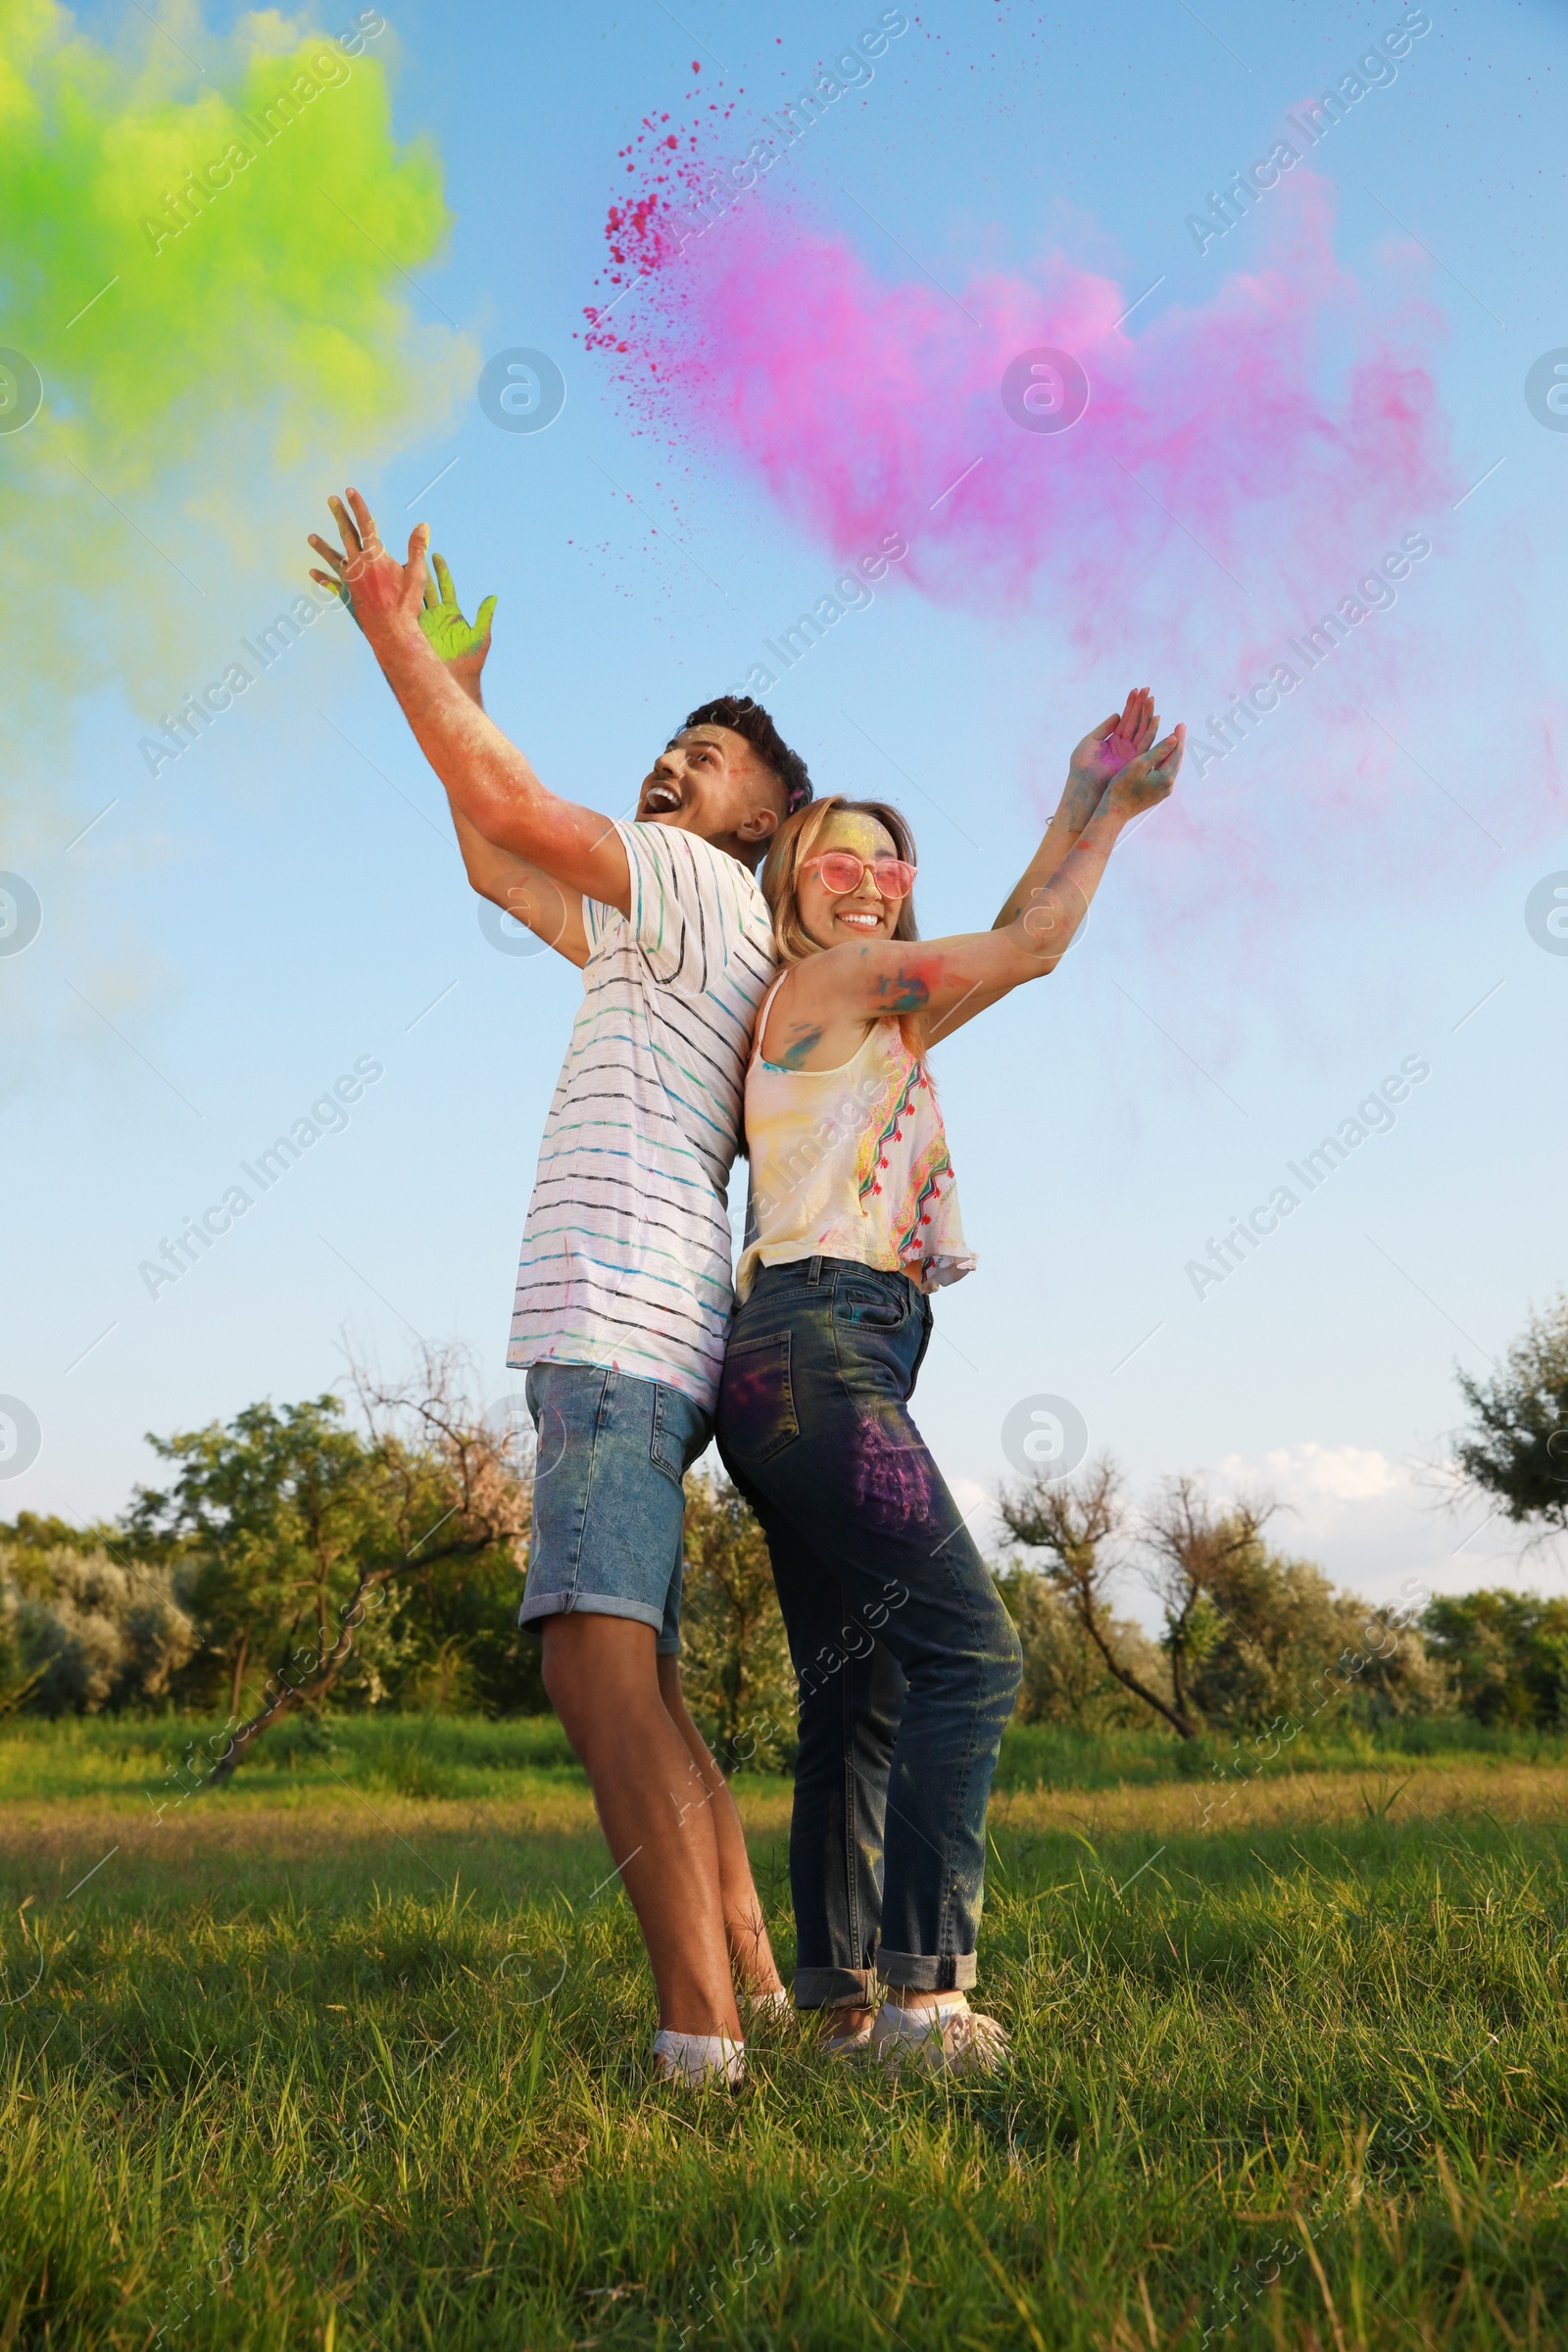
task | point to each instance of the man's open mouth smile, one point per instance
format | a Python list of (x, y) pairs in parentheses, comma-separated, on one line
[(660, 798)]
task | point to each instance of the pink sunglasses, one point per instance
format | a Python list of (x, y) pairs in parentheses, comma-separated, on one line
[(842, 871)]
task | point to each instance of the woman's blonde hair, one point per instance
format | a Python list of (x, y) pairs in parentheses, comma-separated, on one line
[(795, 840)]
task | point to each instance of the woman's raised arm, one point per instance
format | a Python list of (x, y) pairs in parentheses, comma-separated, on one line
[(945, 981)]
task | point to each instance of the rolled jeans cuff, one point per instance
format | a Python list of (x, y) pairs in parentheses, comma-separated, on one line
[(926, 1972), (835, 1989)]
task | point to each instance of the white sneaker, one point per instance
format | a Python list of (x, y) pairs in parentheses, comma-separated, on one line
[(696, 2060), (952, 2038)]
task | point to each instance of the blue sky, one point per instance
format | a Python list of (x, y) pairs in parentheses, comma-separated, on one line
[(284, 902)]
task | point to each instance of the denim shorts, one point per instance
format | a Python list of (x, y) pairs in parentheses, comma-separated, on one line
[(608, 1506)]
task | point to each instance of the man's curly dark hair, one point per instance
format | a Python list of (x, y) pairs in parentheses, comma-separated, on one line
[(749, 718)]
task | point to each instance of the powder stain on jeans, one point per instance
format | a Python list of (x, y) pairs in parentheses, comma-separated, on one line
[(891, 1482)]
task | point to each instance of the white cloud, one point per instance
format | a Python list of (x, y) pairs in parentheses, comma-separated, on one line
[(1315, 1478), (1373, 1523), (1376, 1525)]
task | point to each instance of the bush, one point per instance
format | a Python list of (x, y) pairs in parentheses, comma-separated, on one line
[(82, 1631), (1273, 1629)]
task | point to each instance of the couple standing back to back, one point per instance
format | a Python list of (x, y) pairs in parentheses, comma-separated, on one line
[(805, 1007)]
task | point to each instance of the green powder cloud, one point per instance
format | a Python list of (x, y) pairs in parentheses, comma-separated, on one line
[(207, 272)]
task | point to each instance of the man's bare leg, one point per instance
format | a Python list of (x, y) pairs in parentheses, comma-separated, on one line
[(745, 1929), (602, 1679)]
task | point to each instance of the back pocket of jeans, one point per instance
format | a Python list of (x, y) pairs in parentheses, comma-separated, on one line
[(756, 1399), (870, 1305)]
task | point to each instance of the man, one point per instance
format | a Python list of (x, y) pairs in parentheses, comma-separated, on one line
[(624, 1290)]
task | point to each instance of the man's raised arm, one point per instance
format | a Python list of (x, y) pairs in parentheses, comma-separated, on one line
[(491, 786), (526, 891)]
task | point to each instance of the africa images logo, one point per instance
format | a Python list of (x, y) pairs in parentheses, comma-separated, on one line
[(327, 1115)]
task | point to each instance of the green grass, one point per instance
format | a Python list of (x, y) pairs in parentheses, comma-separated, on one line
[(419, 1755), (1045, 1756), (341, 2058), (410, 1755)]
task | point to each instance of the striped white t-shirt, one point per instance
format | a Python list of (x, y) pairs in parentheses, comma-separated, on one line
[(626, 1253)]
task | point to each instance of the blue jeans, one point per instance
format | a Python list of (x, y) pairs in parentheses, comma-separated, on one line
[(908, 1662), (608, 1502)]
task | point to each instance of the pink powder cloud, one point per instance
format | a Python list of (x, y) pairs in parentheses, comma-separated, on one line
[(1241, 465), (1211, 441)]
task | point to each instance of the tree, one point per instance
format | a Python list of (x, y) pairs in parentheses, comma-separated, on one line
[(34, 1540), (1196, 1554), (1249, 1634), (1518, 1449), (292, 1524), (736, 1675), (263, 1516), (1065, 1677), (1509, 1653), (1284, 1644), (1077, 1523)]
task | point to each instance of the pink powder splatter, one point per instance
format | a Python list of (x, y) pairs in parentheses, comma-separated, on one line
[(1240, 466), (1210, 451), (642, 234)]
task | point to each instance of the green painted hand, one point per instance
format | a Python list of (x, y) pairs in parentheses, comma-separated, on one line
[(462, 645)]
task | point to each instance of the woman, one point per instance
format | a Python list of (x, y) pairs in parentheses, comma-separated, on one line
[(908, 1662)]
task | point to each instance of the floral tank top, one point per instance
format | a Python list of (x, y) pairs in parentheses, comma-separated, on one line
[(851, 1162)]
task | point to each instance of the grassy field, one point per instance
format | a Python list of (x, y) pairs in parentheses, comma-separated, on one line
[(354, 2054)]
